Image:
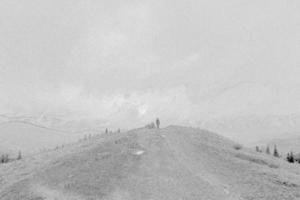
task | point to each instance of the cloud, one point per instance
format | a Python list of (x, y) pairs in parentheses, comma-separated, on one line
[(129, 62), (119, 109)]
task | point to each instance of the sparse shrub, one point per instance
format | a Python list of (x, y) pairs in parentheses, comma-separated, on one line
[(150, 126), (258, 149), (237, 146), (286, 183), (275, 154), (290, 157), (4, 158), (268, 150)]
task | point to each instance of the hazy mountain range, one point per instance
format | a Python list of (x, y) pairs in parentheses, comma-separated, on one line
[(30, 134), (46, 131), (252, 129)]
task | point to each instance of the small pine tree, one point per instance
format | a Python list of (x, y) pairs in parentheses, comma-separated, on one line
[(257, 149), (275, 154), (268, 150), (19, 156), (4, 158), (292, 159)]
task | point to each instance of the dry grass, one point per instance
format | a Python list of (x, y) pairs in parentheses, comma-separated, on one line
[(172, 163), (257, 160)]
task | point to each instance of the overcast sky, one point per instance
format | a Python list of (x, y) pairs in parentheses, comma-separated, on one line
[(130, 61)]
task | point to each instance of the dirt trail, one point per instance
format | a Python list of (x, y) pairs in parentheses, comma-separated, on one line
[(197, 169)]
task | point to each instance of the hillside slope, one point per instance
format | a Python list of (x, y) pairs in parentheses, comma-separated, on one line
[(171, 163), (29, 137)]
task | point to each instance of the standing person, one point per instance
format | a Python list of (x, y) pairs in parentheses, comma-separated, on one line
[(157, 123)]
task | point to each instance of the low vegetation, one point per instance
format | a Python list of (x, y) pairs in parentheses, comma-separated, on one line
[(5, 158), (290, 157), (19, 156), (237, 146), (150, 126), (153, 125), (256, 160)]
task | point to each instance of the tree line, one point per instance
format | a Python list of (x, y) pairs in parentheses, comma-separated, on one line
[(290, 157)]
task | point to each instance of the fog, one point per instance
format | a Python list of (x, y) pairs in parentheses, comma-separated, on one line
[(128, 62)]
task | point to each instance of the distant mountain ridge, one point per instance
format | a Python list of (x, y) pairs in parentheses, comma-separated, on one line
[(55, 123), (249, 129), (29, 138)]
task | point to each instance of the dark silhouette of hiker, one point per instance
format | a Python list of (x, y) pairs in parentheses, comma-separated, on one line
[(157, 123)]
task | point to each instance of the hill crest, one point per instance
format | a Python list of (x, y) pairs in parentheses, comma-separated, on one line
[(171, 163)]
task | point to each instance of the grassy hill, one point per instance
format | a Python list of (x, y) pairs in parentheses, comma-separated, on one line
[(29, 137), (170, 163)]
